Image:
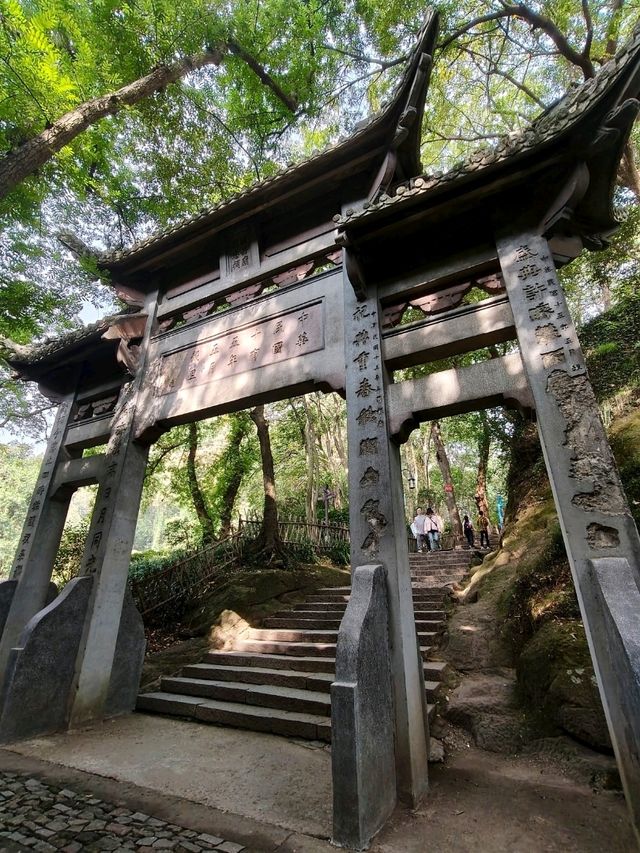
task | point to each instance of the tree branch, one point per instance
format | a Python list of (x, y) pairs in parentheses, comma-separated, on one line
[(290, 101), (537, 22), (522, 86), (361, 57), (586, 14), (20, 163), (612, 30), (10, 349), (28, 158)]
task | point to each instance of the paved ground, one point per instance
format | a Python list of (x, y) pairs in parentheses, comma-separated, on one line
[(251, 789), (281, 782), (45, 817)]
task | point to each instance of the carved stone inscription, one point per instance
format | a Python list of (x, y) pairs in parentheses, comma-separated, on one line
[(364, 370), (554, 336), (583, 466), (288, 335)]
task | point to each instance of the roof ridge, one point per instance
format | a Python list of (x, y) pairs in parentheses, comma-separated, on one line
[(387, 105), (544, 127)]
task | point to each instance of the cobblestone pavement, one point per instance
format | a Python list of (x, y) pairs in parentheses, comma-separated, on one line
[(40, 816)]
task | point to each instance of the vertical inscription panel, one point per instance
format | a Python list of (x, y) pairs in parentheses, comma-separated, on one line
[(284, 336)]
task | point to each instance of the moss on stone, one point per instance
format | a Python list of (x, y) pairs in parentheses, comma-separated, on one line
[(556, 677), (256, 594)]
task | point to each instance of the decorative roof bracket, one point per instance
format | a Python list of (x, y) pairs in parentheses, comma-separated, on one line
[(402, 160)]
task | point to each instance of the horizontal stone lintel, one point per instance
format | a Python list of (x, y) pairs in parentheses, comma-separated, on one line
[(310, 250), (89, 433), (460, 330), (498, 381), (79, 472)]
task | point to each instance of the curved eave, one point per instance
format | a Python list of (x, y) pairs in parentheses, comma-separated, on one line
[(374, 136), (596, 136)]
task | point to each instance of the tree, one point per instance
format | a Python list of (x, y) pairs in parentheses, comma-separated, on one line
[(206, 524), (19, 473), (447, 479), (269, 540), (484, 446)]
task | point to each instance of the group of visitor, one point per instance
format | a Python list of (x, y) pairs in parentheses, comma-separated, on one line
[(427, 527), (483, 527)]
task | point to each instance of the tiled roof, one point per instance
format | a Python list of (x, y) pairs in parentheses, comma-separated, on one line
[(427, 31), (557, 119), (42, 351)]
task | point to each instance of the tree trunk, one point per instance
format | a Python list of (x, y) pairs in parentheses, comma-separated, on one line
[(269, 536), (206, 525), (310, 445), (233, 461), (23, 161), (445, 470), (484, 445), (426, 452), (628, 172)]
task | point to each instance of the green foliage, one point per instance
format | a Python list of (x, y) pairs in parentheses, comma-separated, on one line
[(625, 443), (19, 472), (612, 346), (69, 558), (340, 554), (147, 563)]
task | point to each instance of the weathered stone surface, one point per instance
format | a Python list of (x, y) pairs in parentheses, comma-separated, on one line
[(128, 660), (41, 669), (436, 751), (362, 719), (229, 628), (7, 589), (471, 642), (486, 706)]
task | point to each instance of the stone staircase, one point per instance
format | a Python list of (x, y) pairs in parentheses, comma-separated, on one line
[(277, 678), (439, 568)]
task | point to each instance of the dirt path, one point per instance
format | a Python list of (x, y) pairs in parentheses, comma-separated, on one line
[(270, 793), (481, 802)]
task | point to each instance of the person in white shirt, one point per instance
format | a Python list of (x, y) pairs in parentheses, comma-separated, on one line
[(432, 529), (418, 526)]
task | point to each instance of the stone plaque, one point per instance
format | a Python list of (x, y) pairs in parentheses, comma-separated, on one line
[(284, 336)]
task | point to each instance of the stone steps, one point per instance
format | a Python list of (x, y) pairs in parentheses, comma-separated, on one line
[(278, 677), (239, 715), (307, 664)]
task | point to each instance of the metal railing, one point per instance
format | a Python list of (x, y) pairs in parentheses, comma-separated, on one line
[(323, 537), (200, 569)]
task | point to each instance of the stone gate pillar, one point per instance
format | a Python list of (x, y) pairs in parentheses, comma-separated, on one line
[(108, 547), (79, 658), (600, 536), (29, 583), (378, 528)]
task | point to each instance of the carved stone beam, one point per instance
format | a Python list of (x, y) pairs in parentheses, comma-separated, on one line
[(498, 381), (353, 266), (78, 472), (127, 328), (457, 331)]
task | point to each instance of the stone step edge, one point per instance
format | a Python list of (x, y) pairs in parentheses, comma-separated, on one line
[(261, 695), (272, 720), (253, 717), (304, 694)]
